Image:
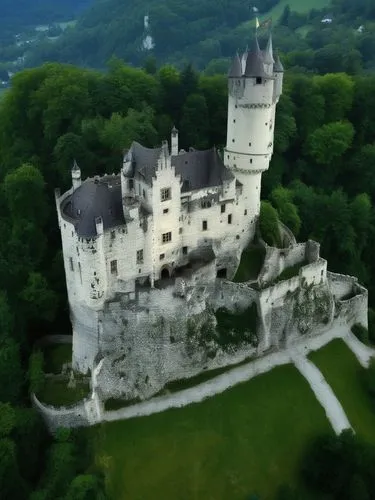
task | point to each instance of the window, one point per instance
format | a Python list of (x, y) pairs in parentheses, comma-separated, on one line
[(113, 235), (258, 80), (232, 140), (180, 230), (245, 213), (114, 267), (165, 194), (139, 256), (80, 271), (161, 256), (131, 184), (71, 264), (166, 210), (206, 204), (204, 225), (166, 237), (144, 193), (184, 250), (250, 144), (229, 218), (251, 160), (222, 208), (139, 189)]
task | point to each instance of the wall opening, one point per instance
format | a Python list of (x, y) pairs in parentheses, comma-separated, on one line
[(164, 275), (221, 273)]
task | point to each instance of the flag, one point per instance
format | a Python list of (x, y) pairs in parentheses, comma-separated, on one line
[(257, 23), (266, 24)]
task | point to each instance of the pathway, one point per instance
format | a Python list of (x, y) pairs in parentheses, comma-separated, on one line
[(323, 392)]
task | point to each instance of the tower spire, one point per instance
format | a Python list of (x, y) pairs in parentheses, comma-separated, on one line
[(268, 55)]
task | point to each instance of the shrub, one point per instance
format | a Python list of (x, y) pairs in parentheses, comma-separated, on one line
[(269, 224), (361, 333), (36, 374)]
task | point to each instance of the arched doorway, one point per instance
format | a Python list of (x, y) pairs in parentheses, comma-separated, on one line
[(164, 275)]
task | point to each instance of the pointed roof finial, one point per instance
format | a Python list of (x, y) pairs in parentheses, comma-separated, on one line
[(255, 61), (75, 166), (174, 130), (268, 55)]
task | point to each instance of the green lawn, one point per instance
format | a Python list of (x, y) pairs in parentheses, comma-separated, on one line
[(251, 263), (295, 5), (248, 439), (56, 392), (55, 355), (343, 372)]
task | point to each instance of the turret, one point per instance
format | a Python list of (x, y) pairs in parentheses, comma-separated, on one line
[(174, 141), (76, 176), (278, 70)]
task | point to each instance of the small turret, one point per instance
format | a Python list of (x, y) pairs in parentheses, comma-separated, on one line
[(76, 176), (278, 68), (236, 67), (174, 141)]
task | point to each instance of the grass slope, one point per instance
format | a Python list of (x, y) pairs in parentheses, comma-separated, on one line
[(343, 372), (296, 6), (248, 439)]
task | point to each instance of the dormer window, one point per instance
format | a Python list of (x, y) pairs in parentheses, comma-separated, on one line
[(206, 204)]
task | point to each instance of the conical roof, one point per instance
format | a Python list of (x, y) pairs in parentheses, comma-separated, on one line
[(236, 67), (255, 61), (75, 166), (268, 53), (278, 67)]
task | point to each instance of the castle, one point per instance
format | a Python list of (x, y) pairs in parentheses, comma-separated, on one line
[(150, 253)]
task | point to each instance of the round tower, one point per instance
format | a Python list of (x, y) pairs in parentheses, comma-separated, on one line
[(253, 92)]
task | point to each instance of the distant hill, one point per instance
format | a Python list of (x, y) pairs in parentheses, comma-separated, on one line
[(18, 14), (208, 33)]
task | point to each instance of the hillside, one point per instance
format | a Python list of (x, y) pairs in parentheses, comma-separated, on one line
[(196, 31), (18, 14)]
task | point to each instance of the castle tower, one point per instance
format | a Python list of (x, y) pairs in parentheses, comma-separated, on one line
[(254, 88), (76, 176)]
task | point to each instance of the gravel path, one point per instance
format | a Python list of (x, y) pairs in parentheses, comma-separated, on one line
[(323, 392)]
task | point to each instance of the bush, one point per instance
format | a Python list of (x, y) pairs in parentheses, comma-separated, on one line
[(36, 374), (269, 224), (361, 333)]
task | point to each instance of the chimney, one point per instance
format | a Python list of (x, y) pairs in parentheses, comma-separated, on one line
[(76, 176)]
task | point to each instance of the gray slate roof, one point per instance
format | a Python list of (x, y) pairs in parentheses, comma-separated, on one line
[(235, 70), (94, 198), (198, 169), (278, 67)]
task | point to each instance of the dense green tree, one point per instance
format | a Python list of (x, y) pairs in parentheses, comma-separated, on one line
[(283, 201), (11, 374), (194, 122), (269, 224), (330, 142), (7, 419)]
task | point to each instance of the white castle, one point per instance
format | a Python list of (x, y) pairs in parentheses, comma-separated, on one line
[(149, 253)]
